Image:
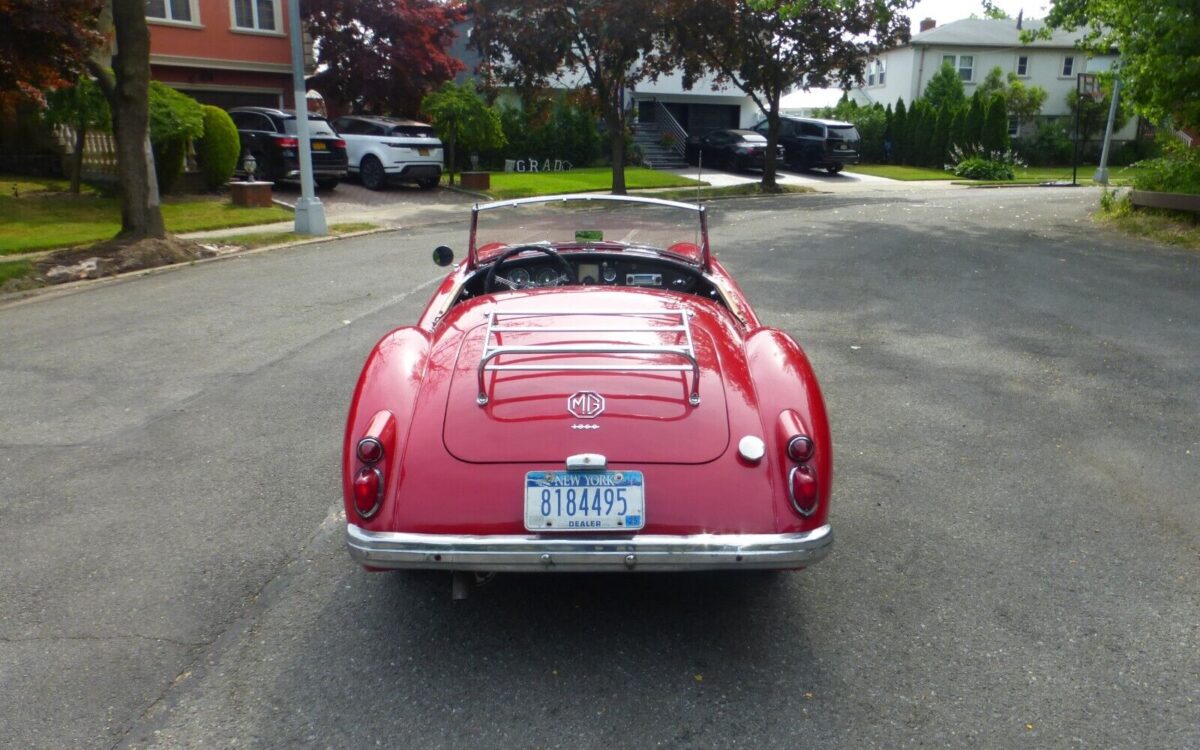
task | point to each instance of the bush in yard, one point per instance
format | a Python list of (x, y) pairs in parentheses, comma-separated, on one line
[(175, 119), (973, 124), (1049, 146), (870, 122), (218, 150), (979, 164), (1176, 171)]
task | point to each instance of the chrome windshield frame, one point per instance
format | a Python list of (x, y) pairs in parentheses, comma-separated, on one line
[(702, 216)]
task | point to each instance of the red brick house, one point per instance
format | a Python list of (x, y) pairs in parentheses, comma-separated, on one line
[(224, 52)]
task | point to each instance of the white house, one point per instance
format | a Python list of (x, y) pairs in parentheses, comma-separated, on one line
[(974, 46)]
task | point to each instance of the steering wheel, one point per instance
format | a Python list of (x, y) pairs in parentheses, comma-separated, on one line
[(490, 285)]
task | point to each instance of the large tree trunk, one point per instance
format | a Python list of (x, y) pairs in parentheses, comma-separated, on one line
[(769, 185), (127, 89), (615, 120)]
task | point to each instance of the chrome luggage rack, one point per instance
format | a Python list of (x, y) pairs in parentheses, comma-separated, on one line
[(676, 325)]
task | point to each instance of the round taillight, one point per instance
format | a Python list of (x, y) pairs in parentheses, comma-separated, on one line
[(368, 490), (803, 490), (370, 450), (800, 448)]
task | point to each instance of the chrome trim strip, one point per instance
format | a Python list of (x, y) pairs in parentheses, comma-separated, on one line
[(531, 553)]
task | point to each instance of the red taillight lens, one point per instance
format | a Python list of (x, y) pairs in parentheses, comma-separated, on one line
[(370, 450), (287, 142), (339, 143), (368, 490), (803, 490), (800, 448)]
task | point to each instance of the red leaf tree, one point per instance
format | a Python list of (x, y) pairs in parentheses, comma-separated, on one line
[(44, 44), (608, 44), (381, 56)]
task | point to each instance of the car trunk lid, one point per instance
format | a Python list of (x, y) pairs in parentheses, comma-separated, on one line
[(562, 377)]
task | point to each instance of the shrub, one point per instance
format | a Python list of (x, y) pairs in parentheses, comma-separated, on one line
[(168, 162), (1176, 171), (1049, 146), (980, 164), (218, 150)]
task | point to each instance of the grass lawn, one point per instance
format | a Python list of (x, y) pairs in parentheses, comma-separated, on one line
[(688, 195), (524, 184), (899, 172), (1168, 227), (260, 239), (40, 218), (14, 269)]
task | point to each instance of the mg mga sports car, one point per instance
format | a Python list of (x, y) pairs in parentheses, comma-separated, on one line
[(588, 390)]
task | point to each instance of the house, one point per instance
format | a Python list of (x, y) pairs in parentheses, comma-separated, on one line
[(227, 53), (974, 46)]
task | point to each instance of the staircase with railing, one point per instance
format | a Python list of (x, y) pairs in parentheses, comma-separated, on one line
[(663, 142)]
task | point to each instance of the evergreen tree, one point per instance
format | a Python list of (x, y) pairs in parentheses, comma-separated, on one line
[(995, 126), (922, 133), (941, 136), (973, 125), (899, 132), (946, 87), (888, 135)]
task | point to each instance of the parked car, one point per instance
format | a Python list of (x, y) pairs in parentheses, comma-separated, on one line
[(729, 149), (270, 136), (588, 390), (387, 149), (816, 144)]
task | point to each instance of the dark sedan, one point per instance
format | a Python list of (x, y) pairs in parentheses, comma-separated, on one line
[(270, 136), (730, 149)]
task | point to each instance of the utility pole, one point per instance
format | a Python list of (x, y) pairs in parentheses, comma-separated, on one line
[(310, 214), (1101, 175)]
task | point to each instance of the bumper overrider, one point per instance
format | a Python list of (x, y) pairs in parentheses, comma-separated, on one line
[(379, 549)]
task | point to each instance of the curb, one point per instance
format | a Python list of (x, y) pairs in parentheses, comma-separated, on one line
[(13, 299)]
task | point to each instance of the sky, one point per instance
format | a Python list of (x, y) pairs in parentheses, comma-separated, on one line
[(945, 11)]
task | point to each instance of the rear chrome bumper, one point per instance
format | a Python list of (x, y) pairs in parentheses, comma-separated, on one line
[(536, 554)]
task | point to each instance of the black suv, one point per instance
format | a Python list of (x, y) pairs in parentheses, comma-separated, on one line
[(816, 144), (270, 135)]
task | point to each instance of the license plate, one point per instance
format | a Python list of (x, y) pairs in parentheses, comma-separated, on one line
[(584, 500), (318, 146), (423, 151)]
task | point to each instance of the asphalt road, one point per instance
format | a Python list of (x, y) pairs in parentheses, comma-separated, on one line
[(1014, 397)]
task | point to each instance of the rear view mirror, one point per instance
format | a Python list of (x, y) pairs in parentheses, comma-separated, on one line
[(442, 255)]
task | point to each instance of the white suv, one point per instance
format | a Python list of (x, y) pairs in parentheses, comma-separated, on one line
[(386, 149)]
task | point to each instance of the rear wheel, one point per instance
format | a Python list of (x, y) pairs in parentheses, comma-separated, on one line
[(834, 168), (428, 183), (329, 184), (372, 174), (741, 164)]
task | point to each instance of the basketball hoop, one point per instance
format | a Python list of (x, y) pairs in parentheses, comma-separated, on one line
[(1088, 84)]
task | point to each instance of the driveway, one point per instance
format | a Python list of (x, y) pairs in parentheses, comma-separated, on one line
[(1014, 402), (845, 181)]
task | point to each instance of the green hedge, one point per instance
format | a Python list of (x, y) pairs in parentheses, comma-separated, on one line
[(218, 150)]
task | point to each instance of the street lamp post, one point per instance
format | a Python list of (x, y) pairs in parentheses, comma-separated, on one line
[(310, 214)]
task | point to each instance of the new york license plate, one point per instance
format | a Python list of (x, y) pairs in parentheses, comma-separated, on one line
[(584, 500), (423, 151), (318, 146)]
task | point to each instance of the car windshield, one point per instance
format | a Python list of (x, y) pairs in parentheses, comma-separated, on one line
[(845, 132), (753, 138), (591, 221), (317, 126)]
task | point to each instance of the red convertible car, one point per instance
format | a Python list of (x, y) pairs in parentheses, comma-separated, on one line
[(589, 390)]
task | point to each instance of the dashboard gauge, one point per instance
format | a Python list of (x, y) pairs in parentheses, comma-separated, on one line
[(547, 277), (609, 274), (520, 277)]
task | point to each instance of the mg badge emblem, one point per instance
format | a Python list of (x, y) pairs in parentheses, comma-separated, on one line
[(586, 404)]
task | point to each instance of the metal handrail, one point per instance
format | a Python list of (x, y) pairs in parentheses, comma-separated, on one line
[(664, 116), (685, 350)]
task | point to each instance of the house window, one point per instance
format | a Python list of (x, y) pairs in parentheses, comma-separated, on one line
[(1023, 66), (965, 64), (1014, 127), (1068, 66), (170, 10), (258, 15), (881, 71)]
